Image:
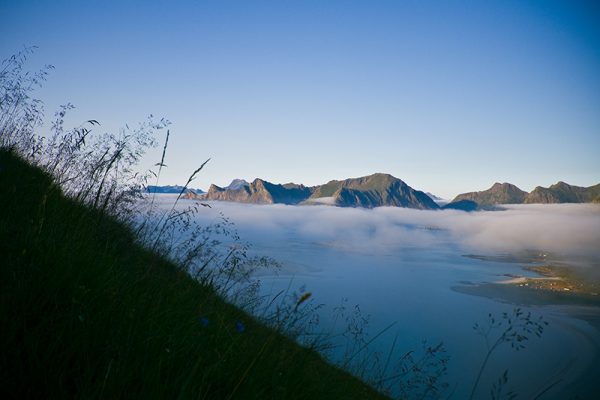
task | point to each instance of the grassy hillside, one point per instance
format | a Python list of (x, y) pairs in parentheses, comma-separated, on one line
[(86, 312)]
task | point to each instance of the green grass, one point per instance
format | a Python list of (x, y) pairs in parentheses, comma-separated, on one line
[(88, 313)]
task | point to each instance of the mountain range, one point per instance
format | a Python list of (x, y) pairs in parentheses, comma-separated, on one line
[(386, 190), (369, 191)]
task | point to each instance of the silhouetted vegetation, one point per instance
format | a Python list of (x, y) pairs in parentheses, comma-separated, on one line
[(105, 294)]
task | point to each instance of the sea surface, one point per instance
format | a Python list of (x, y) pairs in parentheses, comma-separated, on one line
[(404, 269)]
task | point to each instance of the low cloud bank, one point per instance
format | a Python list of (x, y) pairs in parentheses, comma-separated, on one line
[(567, 229)]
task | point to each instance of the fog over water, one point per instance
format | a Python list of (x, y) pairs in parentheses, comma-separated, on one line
[(402, 266), (569, 229)]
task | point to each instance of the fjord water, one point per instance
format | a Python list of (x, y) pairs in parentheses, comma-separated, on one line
[(403, 266)]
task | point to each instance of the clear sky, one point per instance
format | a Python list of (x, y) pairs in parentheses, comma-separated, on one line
[(448, 96)]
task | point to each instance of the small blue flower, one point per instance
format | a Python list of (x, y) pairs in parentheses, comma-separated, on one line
[(240, 327), (204, 321)]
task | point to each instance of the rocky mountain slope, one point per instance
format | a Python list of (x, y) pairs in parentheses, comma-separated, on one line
[(374, 191), (260, 192)]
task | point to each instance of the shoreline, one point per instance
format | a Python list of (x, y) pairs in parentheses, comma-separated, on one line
[(560, 290)]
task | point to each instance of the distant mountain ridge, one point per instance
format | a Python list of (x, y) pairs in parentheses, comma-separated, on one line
[(381, 189), (506, 193), (369, 191), (170, 189), (562, 192), (462, 205), (434, 197)]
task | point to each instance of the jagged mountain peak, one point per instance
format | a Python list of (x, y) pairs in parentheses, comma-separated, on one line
[(237, 184)]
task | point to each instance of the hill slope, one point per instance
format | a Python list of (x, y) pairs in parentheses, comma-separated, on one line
[(87, 313)]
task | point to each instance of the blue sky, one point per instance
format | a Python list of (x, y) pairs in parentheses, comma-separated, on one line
[(448, 96)]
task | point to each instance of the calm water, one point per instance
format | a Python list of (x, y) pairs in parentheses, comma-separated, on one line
[(402, 265)]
